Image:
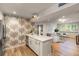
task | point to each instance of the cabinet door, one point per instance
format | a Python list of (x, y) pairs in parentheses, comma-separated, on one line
[(37, 47), (30, 42), (34, 45)]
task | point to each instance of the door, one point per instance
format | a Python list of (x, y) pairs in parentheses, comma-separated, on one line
[(1, 30), (1, 36)]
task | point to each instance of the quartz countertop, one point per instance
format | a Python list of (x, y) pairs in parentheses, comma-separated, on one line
[(39, 37)]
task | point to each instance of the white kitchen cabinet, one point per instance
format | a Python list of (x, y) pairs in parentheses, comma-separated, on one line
[(30, 41), (41, 48), (37, 47), (34, 45)]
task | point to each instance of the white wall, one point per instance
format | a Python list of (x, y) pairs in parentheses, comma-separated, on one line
[(44, 26), (48, 27), (51, 26)]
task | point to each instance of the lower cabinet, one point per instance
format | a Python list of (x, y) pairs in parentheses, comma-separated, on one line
[(34, 45), (39, 47), (30, 42)]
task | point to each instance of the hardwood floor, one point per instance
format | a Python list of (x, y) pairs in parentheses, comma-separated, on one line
[(66, 48), (20, 51)]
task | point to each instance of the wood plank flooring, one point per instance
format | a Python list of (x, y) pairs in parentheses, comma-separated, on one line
[(20, 51), (66, 48)]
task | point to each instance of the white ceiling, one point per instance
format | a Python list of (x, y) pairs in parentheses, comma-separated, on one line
[(70, 13), (27, 9), (24, 9)]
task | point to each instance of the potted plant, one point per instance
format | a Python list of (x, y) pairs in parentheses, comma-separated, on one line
[(56, 30)]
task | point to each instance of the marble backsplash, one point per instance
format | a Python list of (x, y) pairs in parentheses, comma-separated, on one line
[(16, 28)]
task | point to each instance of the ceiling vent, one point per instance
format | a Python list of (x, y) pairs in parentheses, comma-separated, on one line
[(61, 4)]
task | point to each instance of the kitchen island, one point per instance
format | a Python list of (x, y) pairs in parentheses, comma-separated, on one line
[(41, 45)]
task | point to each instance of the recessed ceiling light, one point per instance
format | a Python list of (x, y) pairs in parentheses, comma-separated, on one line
[(62, 20), (34, 16), (14, 12), (63, 16)]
